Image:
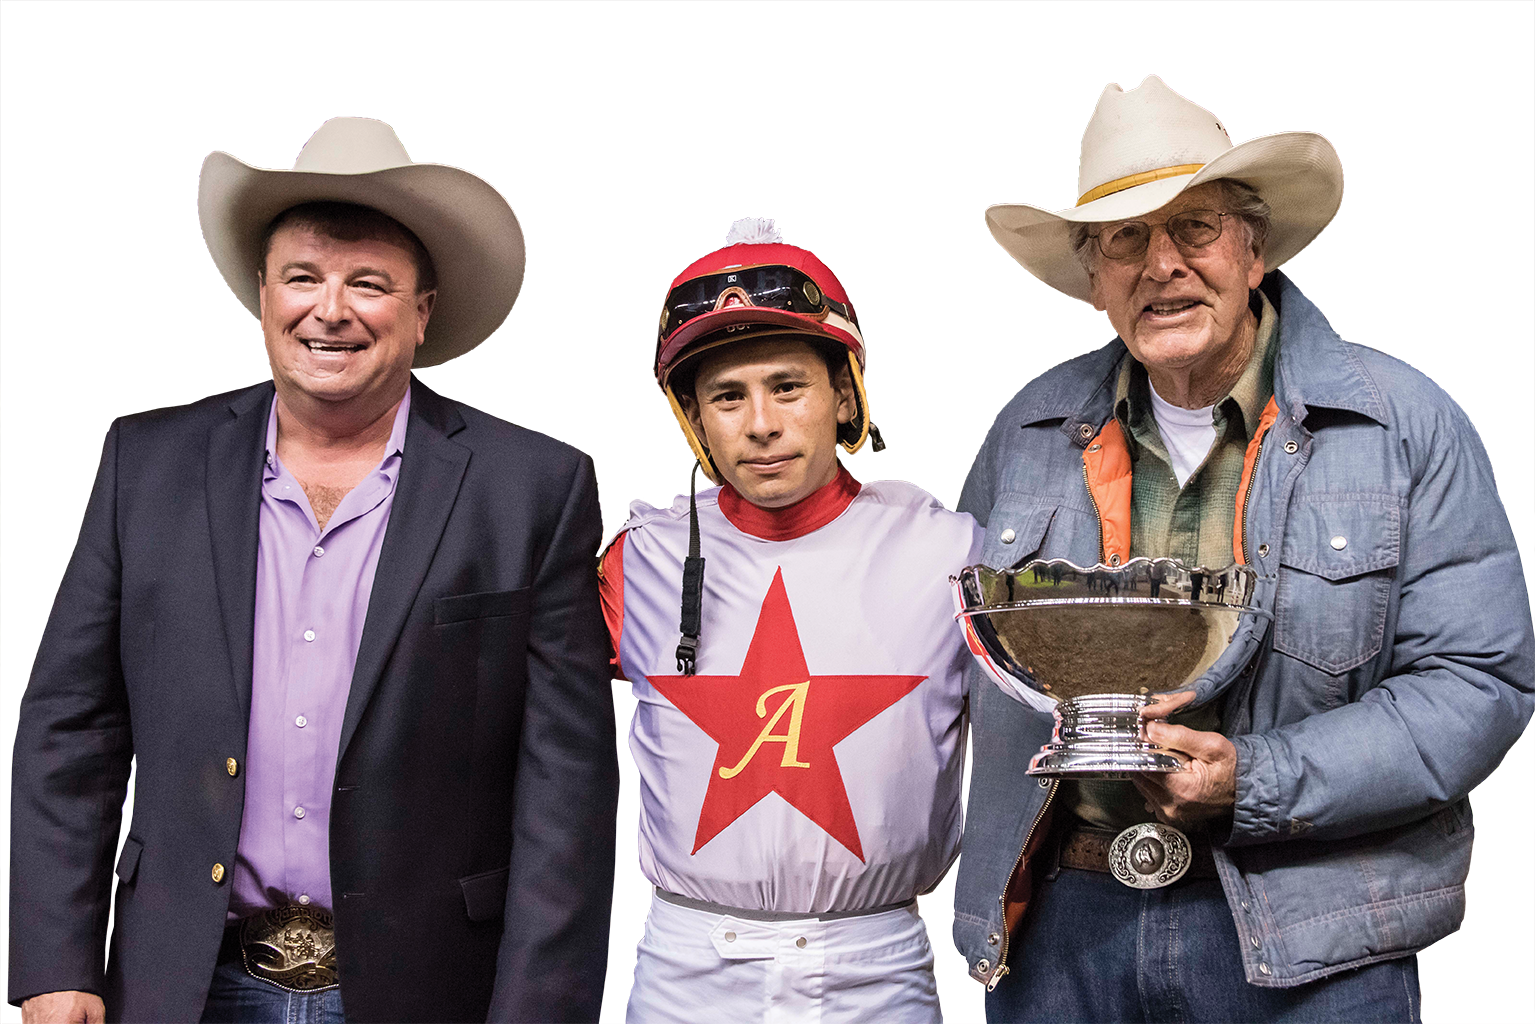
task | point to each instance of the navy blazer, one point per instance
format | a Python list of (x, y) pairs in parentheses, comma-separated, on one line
[(472, 824)]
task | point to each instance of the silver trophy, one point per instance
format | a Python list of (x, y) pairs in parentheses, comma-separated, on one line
[(1094, 645)]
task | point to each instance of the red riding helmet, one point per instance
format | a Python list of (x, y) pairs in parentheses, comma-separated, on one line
[(754, 286)]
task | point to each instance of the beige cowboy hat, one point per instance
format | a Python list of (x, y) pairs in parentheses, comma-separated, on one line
[(469, 230), (1143, 147)]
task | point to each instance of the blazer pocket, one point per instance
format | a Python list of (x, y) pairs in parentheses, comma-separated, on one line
[(485, 894), (491, 604), (128, 860)]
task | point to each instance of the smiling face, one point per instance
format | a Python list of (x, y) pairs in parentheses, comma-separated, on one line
[(342, 321), (1182, 311), (768, 412)]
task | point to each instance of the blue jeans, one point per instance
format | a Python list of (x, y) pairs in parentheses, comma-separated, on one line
[(237, 998), (1092, 949)]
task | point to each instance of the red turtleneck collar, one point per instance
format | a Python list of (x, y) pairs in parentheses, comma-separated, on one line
[(808, 514)]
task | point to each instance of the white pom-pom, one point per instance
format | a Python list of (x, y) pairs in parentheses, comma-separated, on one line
[(753, 231)]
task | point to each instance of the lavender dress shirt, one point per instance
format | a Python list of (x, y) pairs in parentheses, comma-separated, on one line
[(312, 591)]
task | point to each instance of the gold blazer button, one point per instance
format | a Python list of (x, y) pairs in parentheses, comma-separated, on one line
[(232, 767), (218, 873)]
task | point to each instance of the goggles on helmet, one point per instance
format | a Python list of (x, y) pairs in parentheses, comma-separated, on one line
[(769, 286)]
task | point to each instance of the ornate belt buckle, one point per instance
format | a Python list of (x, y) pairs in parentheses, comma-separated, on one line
[(1150, 855), (292, 947)]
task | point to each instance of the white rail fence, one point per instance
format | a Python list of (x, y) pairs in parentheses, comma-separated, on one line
[(1500, 805)]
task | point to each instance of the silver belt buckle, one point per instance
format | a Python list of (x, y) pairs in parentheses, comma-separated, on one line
[(1150, 855), (292, 947)]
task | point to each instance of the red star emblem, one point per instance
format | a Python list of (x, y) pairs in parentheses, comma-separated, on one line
[(776, 724)]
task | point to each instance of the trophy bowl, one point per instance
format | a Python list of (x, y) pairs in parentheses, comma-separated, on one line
[(1095, 644)]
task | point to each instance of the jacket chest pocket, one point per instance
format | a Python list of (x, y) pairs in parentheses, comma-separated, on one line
[(1336, 571), (1021, 528)]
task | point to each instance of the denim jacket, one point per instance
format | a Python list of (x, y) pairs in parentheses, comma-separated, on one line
[(1398, 669)]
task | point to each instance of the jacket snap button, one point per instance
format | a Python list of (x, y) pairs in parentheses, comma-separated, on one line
[(1257, 943), (1044, 783), (1290, 447), (993, 939), (1263, 550), (1008, 536), (1085, 431), (1096, 447), (1113, 559), (982, 966), (1339, 542), (1265, 969)]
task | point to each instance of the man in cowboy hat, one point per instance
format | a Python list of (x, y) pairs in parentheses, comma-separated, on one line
[(345, 632), (1329, 762), (801, 742)]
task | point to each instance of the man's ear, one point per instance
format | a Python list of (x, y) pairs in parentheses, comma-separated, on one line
[(691, 410), (424, 303), (847, 398)]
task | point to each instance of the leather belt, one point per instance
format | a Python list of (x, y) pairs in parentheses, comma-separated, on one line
[(771, 915), (1146, 856), (292, 947)]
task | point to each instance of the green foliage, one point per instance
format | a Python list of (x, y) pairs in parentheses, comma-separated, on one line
[(1491, 343), (45, 475)]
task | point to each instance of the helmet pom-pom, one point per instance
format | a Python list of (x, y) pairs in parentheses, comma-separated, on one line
[(753, 231)]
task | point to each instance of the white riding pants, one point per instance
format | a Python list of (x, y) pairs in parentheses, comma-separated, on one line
[(695, 966)]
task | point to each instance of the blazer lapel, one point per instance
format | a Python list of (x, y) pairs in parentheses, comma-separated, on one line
[(233, 485), (430, 473)]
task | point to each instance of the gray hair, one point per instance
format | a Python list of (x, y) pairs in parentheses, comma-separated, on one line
[(1237, 197)]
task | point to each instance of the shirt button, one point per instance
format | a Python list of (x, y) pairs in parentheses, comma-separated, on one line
[(1008, 536), (304, 899), (1339, 542), (730, 936), (301, 721), (801, 942), (318, 551), (298, 812), (309, 635)]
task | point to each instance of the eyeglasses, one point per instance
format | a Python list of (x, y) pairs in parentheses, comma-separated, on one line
[(770, 285), (1191, 229)]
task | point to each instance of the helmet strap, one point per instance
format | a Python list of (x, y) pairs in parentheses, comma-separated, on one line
[(692, 587)]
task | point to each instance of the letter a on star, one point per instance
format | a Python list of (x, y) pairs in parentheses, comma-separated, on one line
[(776, 724)]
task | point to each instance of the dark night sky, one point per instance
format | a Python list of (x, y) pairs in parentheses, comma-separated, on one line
[(892, 128)]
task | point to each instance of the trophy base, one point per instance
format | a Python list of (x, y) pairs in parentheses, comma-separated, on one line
[(1101, 736)]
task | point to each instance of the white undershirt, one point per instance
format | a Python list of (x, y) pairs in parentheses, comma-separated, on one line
[(1187, 433)]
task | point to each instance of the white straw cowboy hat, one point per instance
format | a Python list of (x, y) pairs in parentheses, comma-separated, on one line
[(1143, 147), (469, 230)]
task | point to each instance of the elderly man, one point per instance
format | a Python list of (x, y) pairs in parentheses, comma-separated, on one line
[(801, 743), (1325, 799), (345, 630)]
